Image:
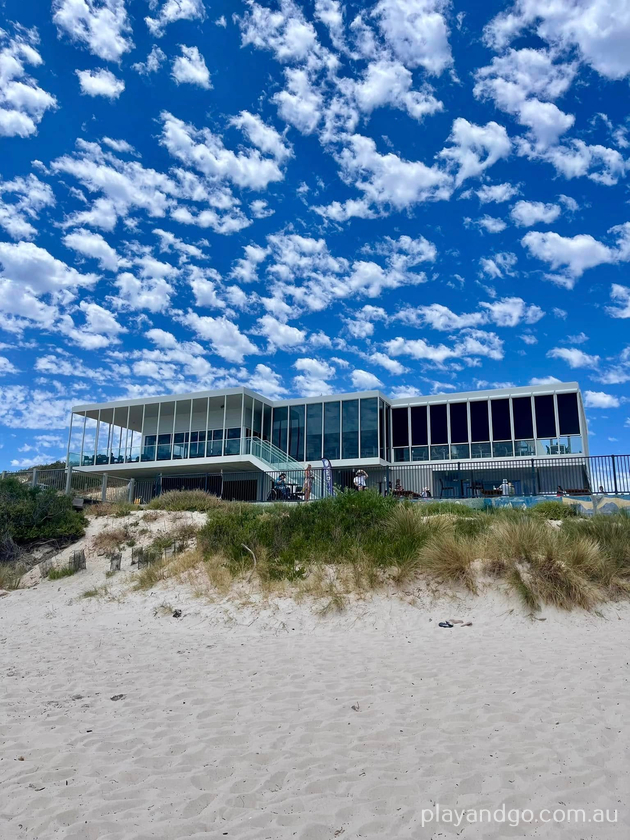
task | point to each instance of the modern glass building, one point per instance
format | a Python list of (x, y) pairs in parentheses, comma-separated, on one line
[(237, 429)]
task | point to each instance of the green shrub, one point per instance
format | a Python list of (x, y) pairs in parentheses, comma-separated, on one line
[(28, 514), (554, 510), (194, 500), (63, 572)]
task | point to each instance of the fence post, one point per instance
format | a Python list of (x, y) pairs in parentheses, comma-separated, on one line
[(104, 488), (614, 466), (386, 481), (69, 479), (131, 492), (34, 478), (533, 479)]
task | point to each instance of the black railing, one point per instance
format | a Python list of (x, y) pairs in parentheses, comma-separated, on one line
[(580, 475)]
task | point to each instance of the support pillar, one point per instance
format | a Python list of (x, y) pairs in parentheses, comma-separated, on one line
[(132, 490), (68, 480), (34, 478), (104, 488)]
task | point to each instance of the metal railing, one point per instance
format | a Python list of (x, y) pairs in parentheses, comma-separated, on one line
[(581, 475), (94, 487)]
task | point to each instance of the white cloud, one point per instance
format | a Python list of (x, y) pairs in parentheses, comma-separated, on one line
[(416, 31), (226, 340), (470, 343), (314, 367), (100, 83), (598, 399), (261, 135), (599, 31), (506, 312), (510, 312), (364, 381), (119, 145), (6, 366), (299, 103), (101, 329), (285, 32), (312, 380), (92, 244), (574, 357), (498, 266), (173, 10), (490, 224), (266, 382), (496, 193), (577, 253), (544, 380), (31, 196), (621, 297), (475, 148), (392, 365), (528, 213), (29, 273), (279, 334), (22, 102), (152, 293), (576, 159), (387, 82), (104, 27), (205, 151), (154, 61), (190, 68)]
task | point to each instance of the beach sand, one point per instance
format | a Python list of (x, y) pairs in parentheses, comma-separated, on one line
[(238, 721)]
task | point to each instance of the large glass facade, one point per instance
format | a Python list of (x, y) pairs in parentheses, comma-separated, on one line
[(350, 428), (529, 426), (314, 432), (369, 428), (332, 419)]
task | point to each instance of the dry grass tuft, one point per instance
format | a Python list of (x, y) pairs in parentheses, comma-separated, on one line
[(449, 559), (11, 574), (113, 539), (182, 500)]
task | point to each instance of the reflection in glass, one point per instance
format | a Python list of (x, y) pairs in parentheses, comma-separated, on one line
[(522, 448), (480, 450), (439, 428), (296, 432), (400, 427), (460, 451), (419, 453), (503, 450), (233, 441), (331, 430), (313, 432), (369, 428), (439, 453), (401, 454), (350, 428), (280, 427)]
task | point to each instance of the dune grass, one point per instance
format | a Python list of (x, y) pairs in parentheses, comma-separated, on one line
[(191, 500), (63, 572), (358, 542), (10, 575)]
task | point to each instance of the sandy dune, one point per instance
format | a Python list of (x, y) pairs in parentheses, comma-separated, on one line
[(238, 722)]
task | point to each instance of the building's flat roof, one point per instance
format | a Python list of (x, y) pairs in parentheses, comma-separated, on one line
[(554, 387)]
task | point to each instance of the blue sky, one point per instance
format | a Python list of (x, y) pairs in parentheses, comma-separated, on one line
[(415, 195)]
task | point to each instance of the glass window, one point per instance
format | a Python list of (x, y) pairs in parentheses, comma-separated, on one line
[(459, 423), (575, 445), (501, 427), (381, 426), (280, 422), (180, 445), (233, 441), (479, 424), (148, 450), (369, 428), (523, 423), (545, 417), (257, 427), (350, 428), (197, 444), (439, 429), (331, 430), (419, 453), (460, 451), (401, 454), (266, 433), (419, 432), (523, 448), (568, 416), (400, 427), (548, 446), (164, 447), (134, 438), (481, 450), (439, 453), (503, 450), (314, 432), (296, 432), (215, 443)]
